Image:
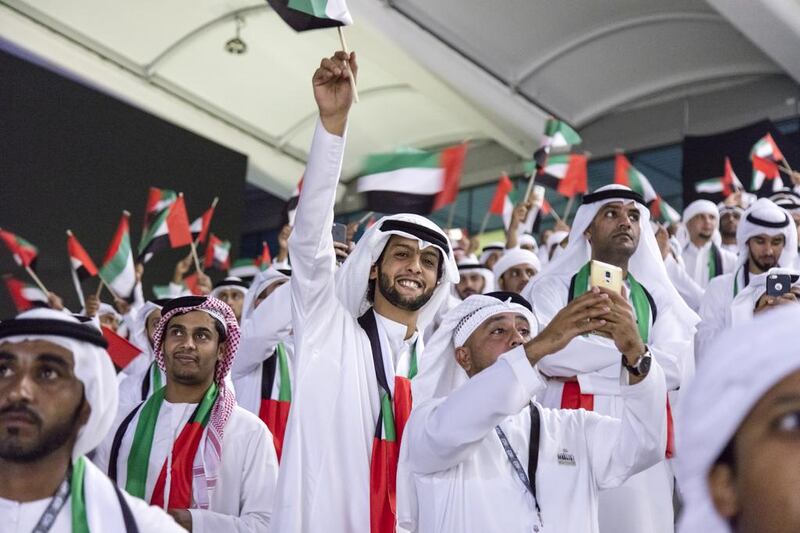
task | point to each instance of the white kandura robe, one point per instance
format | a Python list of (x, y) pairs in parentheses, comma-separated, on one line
[(717, 308), (464, 482), (245, 491), (644, 502), (325, 464), (269, 324), (103, 512), (696, 261), (689, 290)]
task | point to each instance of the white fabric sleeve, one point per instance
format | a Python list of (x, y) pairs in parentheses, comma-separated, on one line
[(313, 291), (270, 323), (258, 483), (442, 434), (620, 448), (714, 311), (689, 290), (150, 518)]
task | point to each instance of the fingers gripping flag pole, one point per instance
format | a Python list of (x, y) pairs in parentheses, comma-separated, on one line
[(347, 64)]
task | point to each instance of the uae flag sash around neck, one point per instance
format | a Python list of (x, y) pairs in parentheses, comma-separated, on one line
[(183, 452), (24, 252), (303, 15), (645, 311), (170, 229), (394, 412), (117, 269), (276, 395), (412, 181)]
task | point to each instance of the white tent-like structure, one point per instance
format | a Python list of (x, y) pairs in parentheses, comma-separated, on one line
[(626, 73)]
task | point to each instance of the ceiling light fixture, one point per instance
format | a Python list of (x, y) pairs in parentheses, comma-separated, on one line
[(236, 45)]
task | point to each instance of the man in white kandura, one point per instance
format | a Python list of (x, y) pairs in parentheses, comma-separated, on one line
[(613, 226), (58, 399), (480, 456), (767, 239), (357, 336), (702, 252), (189, 448)]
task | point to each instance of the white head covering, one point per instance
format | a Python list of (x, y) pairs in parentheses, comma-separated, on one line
[(787, 199), (728, 383), (646, 264), (439, 372), (139, 336), (352, 278), (92, 366), (764, 217), (698, 207), (262, 280), (491, 248), (467, 266), (514, 257), (107, 309), (526, 239), (722, 208), (230, 282)]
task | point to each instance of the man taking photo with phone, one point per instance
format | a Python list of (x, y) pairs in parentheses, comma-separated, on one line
[(767, 239), (647, 320)]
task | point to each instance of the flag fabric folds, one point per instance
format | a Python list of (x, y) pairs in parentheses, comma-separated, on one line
[(202, 224), (24, 295), (412, 181), (217, 254), (157, 201), (169, 230), (117, 269), (304, 15), (121, 350), (24, 252)]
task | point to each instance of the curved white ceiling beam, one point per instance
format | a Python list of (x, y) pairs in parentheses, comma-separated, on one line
[(664, 84), (363, 94), (610, 29), (150, 68)]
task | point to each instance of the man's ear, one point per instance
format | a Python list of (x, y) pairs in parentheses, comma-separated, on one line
[(588, 234), (722, 485), (464, 358), (373, 272)]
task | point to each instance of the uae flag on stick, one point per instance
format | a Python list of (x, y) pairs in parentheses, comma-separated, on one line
[(169, 230), (504, 200), (767, 148), (559, 136), (626, 174), (217, 254), (566, 173), (157, 201), (304, 15), (765, 169), (117, 269), (727, 184), (264, 260), (24, 295), (82, 265), (24, 252), (412, 181), (121, 350), (291, 204), (202, 224)]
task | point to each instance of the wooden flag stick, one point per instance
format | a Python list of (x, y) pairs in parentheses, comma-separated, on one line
[(365, 217), (531, 180), (451, 215), (485, 221), (347, 51), (36, 280), (196, 259), (568, 208), (787, 166), (555, 215)]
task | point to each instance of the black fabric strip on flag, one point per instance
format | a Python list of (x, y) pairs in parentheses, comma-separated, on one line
[(298, 20), (393, 202), (704, 157)]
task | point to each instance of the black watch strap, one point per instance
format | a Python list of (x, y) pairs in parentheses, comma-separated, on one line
[(641, 367)]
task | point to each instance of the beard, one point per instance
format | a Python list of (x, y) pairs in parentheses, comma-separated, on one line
[(50, 439), (766, 263), (388, 291)]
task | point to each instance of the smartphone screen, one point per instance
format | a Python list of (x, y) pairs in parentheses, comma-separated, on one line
[(339, 232)]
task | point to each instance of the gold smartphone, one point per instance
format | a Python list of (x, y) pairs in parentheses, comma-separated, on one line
[(606, 276)]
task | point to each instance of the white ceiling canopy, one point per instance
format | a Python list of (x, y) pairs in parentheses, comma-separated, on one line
[(626, 73)]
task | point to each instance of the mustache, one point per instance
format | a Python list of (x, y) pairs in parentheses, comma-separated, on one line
[(21, 409)]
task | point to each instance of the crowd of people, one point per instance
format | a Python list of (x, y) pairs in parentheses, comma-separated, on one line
[(408, 382)]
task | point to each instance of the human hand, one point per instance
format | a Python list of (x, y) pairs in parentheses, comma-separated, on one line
[(55, 301), (204, 284), (92, 305), (662, 238), (332, 90), (621, 326)]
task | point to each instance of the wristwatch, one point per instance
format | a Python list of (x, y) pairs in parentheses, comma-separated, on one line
[(642, 365)]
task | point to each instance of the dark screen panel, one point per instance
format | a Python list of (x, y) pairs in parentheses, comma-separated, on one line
[(72, 157)]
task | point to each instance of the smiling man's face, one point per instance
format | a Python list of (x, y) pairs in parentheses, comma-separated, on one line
[(406, 276), (192, 348)]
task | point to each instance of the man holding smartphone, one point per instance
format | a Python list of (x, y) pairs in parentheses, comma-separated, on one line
[(767, 239), (647, 320)]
